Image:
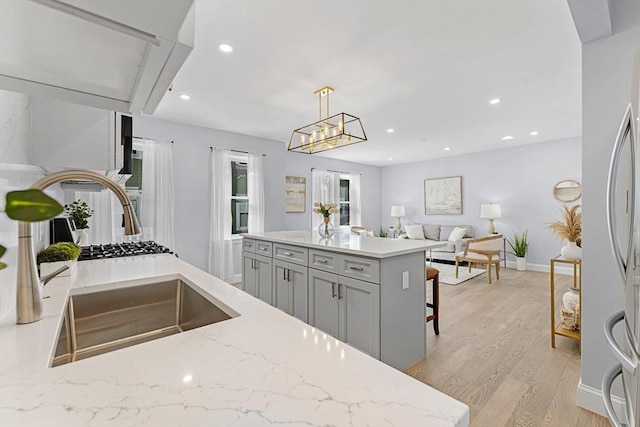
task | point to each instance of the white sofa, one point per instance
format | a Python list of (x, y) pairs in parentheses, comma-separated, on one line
[(440, 233)]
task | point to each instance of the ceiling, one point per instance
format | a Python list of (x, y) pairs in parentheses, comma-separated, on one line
[(426, 69)]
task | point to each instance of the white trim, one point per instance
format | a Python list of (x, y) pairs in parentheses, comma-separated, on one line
[(590, 398), (236, 278), (545, 268)]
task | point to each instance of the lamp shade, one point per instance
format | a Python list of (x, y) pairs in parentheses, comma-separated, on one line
[(491, 211), (397, 211)]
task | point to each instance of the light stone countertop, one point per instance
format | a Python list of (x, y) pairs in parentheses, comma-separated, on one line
[(261, 368), (346, 242)]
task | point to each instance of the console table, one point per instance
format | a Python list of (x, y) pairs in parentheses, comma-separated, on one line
[(556, 327)]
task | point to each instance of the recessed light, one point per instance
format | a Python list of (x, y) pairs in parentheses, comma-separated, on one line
[(505, 138), (494, 101), (185, 97), (447, 148), (225, 47), (390, 158), (534, 133), (390, 130)]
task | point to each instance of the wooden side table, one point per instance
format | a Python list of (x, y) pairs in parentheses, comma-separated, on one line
[(556, 327)]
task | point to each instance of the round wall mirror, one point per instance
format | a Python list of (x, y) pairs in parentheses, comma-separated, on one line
[(567, 191)]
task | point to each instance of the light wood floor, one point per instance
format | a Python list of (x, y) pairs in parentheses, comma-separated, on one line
[(494, 353)]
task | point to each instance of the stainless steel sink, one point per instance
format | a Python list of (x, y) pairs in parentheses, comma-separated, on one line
[(104, 321)]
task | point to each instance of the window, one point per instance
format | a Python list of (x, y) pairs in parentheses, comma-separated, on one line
[(239, 198), (345, 204), (133, 185)]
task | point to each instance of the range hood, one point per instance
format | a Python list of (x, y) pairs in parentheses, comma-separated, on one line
[(118, 55)]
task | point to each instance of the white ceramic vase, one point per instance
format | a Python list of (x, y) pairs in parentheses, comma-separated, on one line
[(50, 267), (571, 251), (571, 300), (83, 237), (521, 263)]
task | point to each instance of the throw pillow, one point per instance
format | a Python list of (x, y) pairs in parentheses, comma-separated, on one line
[(431, 232), (457, 234), (414, 232)]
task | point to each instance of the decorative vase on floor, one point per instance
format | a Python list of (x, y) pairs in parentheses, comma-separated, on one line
[(571, 310), (521, 263), (571, 251), (325, 229), (83, 237)]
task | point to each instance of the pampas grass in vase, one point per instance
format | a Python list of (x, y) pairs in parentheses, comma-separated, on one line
[(571, 230)]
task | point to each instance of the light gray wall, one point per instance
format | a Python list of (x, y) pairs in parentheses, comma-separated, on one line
[(520, 179), (300, 165), (14, 131), (191, 163), (610, 75)]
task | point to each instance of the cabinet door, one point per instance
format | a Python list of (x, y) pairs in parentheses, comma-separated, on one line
[(264, 285), (323, 301), (249, 274), (298, 291), (281, 286), (359, 314)]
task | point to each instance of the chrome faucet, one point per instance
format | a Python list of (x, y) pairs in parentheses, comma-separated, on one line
[(29, 291)]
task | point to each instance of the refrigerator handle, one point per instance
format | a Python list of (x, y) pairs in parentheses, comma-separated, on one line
[(607, 382), (625, 360), (626, 127)]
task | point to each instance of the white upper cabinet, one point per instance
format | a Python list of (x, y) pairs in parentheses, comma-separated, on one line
[(118, 55)]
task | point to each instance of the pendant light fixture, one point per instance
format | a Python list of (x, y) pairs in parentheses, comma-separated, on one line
[(328, 132)]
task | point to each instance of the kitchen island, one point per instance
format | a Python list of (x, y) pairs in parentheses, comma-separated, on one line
[(367, 291), (262, 367)]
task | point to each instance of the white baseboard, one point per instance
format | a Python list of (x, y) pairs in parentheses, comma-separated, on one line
[(544, 268), (590, 398)]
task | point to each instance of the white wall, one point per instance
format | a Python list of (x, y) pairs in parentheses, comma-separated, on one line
[(610, 79), (298, 164), (520, 179), (14, 130), (191, 162)]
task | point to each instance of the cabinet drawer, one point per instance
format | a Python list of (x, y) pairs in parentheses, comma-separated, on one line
[(263, 248), (323, 260), (359, 268), (248, 245), (288, 253)]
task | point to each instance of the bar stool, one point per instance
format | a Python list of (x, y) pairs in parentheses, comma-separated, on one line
[(434, 274)]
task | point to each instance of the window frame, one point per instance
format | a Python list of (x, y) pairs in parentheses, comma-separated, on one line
[(238, 158)]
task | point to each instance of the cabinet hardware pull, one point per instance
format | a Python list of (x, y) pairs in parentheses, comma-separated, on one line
[(263, 249), (322, 261), (333, 290), (355, 268), (288, 275), (284, 274), (287, 253), (340, 285)]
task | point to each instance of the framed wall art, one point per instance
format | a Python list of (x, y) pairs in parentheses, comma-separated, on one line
[(296, 194), (443, 196)]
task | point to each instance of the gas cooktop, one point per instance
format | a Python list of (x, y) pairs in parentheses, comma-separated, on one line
[(117, 250)]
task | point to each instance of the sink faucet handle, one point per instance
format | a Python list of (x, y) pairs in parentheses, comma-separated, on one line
[(46, 279)]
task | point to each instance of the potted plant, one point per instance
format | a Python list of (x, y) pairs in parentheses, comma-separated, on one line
[(519, 248), (571, 230), (80, 212), (382, 232), (57, 255)]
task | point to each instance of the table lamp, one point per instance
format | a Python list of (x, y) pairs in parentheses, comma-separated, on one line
[(398, 212), (490, 212)]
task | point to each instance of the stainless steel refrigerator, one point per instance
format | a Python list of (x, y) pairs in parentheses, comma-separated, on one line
[(623, 217)]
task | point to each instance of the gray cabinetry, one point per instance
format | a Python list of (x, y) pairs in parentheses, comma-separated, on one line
[(346, 308), (257, 272), (291, 288)]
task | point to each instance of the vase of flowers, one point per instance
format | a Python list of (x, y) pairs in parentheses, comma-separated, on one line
[(571, 230), (325, 209)]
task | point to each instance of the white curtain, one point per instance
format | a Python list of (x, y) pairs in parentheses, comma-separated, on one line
[(220, 244), (324, 189), (255, 192), (157, 210), (105, 226), (354, 198)]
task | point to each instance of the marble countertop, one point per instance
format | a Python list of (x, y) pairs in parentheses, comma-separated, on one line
[(375, 247), (263, 367)]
